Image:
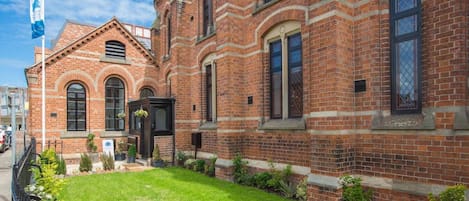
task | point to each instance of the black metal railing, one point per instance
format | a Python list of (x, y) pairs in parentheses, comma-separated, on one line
[(22, 176)]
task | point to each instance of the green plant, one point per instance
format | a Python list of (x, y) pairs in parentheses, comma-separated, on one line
[(108, 161), (181, 157), (85, 163), (278, 176), (301, 190), (119, 147), (121, 115), (44, 173), (287, 189), (132, 150), (210, 170), (141, 113), (452, 193), (260, 179), (189, 164), (62, 166), (90, 143), (199, 165), (156, 153), (240, 170), (353, 190)]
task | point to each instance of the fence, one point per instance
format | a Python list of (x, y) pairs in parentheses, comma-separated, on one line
[(21, 174)]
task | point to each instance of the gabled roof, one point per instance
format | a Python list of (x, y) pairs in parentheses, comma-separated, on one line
[(57, 55)]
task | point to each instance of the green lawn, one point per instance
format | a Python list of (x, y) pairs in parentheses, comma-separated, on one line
[(168, 184)]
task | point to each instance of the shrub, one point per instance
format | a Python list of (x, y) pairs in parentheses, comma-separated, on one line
[(85, 163), (240, 170), (199, 165), (181, 157), (189, 164), (211, 167), (301, 190), (287, 189), (132, 152), (44, 173), (352, 189), (62, 167), (261, 179), (278, 176), (108, 161), (452, 193), (90, 143), (156, 153)]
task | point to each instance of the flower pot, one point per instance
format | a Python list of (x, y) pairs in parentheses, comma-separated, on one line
[(158, 163), (131, 159), (119, 156)]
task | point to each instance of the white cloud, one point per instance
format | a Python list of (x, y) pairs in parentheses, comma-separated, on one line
[(97, 12)]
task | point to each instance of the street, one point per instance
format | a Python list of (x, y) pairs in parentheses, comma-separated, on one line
[(5, 175)]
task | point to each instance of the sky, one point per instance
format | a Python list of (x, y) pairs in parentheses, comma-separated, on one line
[(17, 46)]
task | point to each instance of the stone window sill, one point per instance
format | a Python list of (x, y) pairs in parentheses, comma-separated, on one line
[(424, 121), (206, 37), (107, 134), (283, 124), (74, 134), (208, 126), (259, 8), (112, 60)]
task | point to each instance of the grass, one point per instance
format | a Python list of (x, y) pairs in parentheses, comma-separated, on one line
[(168, 184)]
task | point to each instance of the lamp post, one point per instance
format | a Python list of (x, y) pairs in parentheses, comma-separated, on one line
[(12, 106)]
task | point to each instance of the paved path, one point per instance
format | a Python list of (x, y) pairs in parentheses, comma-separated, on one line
[(5, 176)]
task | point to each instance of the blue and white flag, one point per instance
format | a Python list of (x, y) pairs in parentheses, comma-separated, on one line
[(37, 17)]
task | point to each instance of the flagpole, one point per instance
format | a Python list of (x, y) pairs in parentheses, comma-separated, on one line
[(43, 93), (43, 82)]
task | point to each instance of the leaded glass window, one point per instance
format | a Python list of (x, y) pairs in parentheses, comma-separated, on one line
[(207, 18), (209, 96), (405, 54), (76, 107), (146, 92), (115, 103)]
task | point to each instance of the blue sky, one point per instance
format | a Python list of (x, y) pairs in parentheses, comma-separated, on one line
[(17, 47)]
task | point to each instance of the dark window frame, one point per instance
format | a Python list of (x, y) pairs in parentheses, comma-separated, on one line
[(208, 90), (168, 34), (271, 56), (290, 65), (75, 101), (115, 49), (115, 108), (207, 17), (396, 15), (146, 92)]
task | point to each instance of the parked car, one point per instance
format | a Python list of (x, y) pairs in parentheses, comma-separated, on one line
[(5, 140)]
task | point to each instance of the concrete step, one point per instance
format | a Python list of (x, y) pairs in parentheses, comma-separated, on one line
[(143, 162)]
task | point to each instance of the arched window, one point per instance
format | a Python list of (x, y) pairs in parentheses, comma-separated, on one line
[(146, 92), (284, 45), (76, 107), (115, 49), (115, 100)]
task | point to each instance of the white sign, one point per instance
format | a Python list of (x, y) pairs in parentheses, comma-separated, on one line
[(108, 147)]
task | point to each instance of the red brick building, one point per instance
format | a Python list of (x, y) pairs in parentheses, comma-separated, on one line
[(91, 74), (373, 88)]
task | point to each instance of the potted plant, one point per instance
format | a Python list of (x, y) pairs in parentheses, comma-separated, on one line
[(92, 148), (141, 113), (119, 155), (132, 153), (180, 158), (121, 115), (157, 162)]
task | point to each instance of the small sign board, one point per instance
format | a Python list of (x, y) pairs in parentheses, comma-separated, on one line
[(108, 147)]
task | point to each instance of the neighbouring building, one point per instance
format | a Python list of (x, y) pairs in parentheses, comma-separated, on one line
[(18, 97), (373, 88)]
